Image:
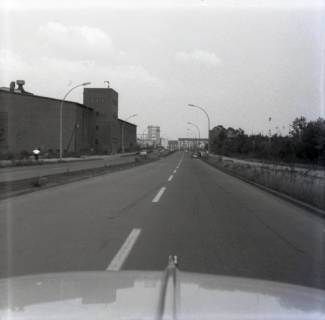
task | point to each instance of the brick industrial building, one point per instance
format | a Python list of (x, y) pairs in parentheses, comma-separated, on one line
[(28, 121)]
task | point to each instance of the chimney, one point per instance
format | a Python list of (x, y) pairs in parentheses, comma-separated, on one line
[(12, 86), (20, 84)]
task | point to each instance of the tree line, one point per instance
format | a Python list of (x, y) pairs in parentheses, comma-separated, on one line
[(305, 143)]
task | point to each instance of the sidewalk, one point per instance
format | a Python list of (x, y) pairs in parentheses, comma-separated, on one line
[(11, 163), (53, 166)]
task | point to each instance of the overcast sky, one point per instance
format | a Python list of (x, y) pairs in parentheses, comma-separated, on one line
[(243, 61)]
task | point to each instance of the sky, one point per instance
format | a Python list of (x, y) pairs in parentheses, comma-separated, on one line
[(243, 61)]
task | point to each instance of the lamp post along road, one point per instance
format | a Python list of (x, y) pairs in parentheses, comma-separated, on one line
[(194, 137), (202, 109), (143, 136), (61, 116), (198, 130), (122, 131)]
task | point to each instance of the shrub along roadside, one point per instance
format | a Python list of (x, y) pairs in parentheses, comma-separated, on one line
[(304, 185), (305, 143)]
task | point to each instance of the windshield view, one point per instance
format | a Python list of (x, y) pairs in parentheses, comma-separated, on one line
[(162, 159)]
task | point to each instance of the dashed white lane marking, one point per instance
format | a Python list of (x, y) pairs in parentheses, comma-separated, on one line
[(122, 254), (159, 194), (170, 178), (175, 171)]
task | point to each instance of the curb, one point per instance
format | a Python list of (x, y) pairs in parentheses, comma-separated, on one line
[(80, 175), (45, 161), (317, 211)]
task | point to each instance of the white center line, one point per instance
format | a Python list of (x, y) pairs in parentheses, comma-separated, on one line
[(122, 254), (175, 171), (159, 194), (170, 178)]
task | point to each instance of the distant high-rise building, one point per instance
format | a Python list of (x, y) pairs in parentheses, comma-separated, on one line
[(154, 134), (164, 142)]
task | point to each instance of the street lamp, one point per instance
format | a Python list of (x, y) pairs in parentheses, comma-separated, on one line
[(122, 133), (61, 114), (192, 132), (193, 137), (202, 109), (142, 136), (198, 130)]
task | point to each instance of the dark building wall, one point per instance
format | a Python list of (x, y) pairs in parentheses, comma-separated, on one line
[(130, 135), (33, 121), (4, 130), (104, 102), (29, 121), (81, 140)]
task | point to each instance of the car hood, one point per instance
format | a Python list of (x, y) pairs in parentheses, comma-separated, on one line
[(151, 295)]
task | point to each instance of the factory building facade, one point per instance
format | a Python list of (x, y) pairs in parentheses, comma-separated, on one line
[(28, 121)]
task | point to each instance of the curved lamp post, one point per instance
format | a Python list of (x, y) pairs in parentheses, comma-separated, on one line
[(198, 130), (189, 131), (61, 114), (122, 131), (142, 136), (192, 132), (202, 109)]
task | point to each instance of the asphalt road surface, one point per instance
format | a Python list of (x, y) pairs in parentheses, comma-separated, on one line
[(136, 218)]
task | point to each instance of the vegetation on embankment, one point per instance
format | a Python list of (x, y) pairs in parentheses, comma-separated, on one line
[(302, 184), (304, 144)]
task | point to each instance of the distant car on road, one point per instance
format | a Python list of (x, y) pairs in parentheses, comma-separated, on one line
[(203, 154), (195, 155), (143, 153)]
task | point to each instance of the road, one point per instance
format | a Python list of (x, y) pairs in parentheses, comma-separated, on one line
[(136, 218)]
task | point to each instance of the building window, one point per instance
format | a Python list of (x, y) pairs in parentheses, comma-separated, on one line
[(97, 127), (97, 113), (96, 141)]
